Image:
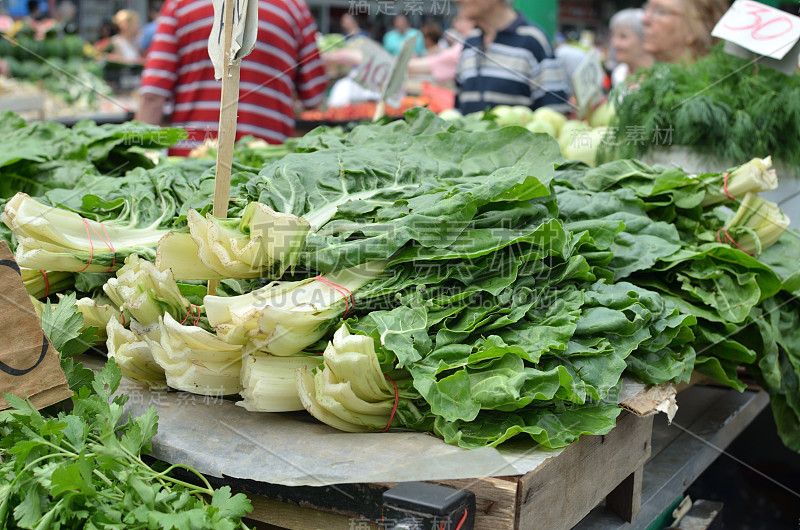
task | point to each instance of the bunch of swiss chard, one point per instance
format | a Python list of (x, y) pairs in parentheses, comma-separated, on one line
[(465, 282), (730, 271)]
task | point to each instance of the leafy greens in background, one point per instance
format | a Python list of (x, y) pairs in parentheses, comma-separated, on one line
[(720, 105)]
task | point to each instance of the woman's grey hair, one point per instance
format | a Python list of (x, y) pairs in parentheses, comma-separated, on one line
[(629, 18)]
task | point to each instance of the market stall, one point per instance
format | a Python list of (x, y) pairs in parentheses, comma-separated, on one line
[(465, 320), (53, 76), (643, 309)]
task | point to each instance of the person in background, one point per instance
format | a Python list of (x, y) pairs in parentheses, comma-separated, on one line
[(680, 30), (126, 42), (508, 61), (627, 33), (394, 39), (65, 18), (284, 62), (571, 54), (107, 31), (35, 13), (351, 27), (442, 66), (431, 33), (149, 29)]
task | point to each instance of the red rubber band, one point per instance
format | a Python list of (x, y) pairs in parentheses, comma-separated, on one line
[(396, 399), (729, 239), (107, 241), (46, 284), (344, 291), (725, 186), (122, 316), (191, 308)]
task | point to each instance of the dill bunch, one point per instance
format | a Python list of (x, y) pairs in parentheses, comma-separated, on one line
[(721, 106)]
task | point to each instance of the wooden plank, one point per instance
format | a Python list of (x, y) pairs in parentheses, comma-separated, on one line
[(293, 517), (692, 403), (563, 490), (679, 465), (723, 416), (495, 501), (626, 499)]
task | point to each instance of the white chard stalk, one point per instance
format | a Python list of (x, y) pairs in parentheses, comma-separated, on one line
[(97, 315), (146, 293), (349, 391), (40, 286), (754, 176), (53, 239), (263, 243), (757, 224), (269, 382), (132, 352), (195, 360), (283, 318)]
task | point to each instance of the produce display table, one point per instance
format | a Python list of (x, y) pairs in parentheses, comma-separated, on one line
[(708, 420), (100, 118), (556, 494), (295, 470), (625, 479), (28, 103)]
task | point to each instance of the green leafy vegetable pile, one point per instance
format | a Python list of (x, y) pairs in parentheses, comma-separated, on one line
[(722, 106), (492, 287)]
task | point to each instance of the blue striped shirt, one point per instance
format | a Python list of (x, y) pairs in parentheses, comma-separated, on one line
[(517, 68)]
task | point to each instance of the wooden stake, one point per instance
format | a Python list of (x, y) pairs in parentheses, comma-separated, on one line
[(380, 110), (229, 106)]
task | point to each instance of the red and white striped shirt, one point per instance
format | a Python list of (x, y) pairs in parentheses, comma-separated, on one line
[(284, 62)]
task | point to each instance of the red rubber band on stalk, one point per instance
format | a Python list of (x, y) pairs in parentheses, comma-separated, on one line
[(46, 284), (729, 239), (197, 319), (396, 399), (107, 241), (344, 291), (725, 186), (122, 316)]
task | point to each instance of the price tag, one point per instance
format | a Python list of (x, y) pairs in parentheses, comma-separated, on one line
[(392, 91), (759, 28), (243, 39), (29, 366), (587, 83), (375, 67)]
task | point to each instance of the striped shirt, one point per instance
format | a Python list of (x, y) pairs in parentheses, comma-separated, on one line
[(284, 63), (517, 68)]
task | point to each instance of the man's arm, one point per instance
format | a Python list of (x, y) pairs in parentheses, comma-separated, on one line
[(151, 108)]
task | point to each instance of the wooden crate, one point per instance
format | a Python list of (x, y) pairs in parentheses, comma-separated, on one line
[(557, 494)]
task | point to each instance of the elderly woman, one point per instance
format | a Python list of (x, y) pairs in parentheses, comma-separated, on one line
[(627, 34), (680, 30)]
